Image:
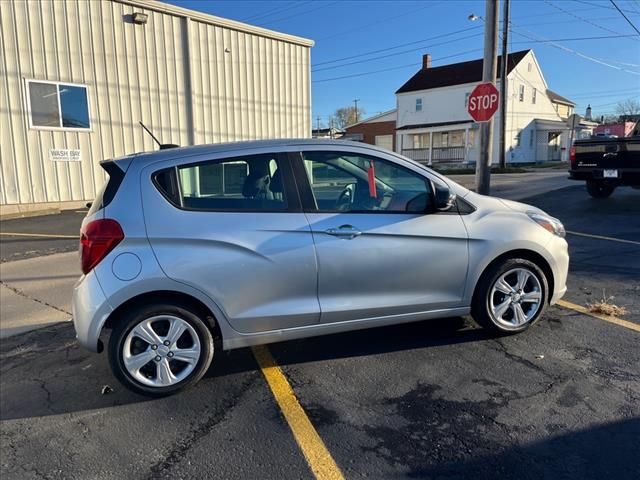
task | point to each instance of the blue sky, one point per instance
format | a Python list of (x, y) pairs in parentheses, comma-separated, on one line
[(353, 28)]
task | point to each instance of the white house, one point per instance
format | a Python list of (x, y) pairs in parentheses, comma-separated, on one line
[(433, 124)]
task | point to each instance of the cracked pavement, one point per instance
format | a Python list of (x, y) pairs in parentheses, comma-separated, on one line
[(440, 399)]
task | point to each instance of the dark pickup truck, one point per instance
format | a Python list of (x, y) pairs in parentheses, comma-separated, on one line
[(606, 163)]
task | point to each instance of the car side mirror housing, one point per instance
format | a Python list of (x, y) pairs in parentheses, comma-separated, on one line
[(444, 199)]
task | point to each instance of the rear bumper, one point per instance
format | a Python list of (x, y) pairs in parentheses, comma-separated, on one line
[(90, 310), (626, 176)]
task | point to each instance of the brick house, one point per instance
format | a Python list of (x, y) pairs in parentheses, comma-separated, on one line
[(379, 130)]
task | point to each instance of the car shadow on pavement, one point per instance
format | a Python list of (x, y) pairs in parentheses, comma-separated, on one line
[(46, 372), (610, 450)]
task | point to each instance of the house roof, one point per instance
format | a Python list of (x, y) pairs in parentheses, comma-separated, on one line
[(374, 118), (455, 74), (555, 98)]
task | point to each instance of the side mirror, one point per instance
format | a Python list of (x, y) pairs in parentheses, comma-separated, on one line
[(444, 199)]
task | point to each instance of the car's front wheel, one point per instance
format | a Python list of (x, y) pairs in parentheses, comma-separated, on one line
[(157, 350), (510, 296)]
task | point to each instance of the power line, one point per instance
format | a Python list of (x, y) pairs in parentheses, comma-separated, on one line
[(371, 52), (582, 19), (397, 53), (625, 17), (413, 64), (599, 5), (305, 12), (574, 52), (443, 43), (276, 10), (612, 103)]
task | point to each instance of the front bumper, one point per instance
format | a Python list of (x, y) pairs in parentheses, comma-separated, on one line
[(90, 310), (559, 251)]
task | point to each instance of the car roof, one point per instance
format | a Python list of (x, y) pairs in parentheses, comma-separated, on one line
[(144, 158)]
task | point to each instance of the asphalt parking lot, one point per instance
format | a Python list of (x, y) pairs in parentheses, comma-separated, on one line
[(436, 399)]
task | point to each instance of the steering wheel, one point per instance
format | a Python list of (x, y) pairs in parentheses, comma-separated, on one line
[(345, 199)]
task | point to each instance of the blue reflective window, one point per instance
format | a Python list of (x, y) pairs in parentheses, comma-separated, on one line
[(74, 106)]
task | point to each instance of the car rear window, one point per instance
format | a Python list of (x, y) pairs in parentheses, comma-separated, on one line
[(107, 192)]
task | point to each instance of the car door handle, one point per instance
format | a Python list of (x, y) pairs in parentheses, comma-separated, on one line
[(344, 231)]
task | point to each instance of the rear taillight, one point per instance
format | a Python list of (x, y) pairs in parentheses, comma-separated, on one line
[(97, 239), (572, 155)]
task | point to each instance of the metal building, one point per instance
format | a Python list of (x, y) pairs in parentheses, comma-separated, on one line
[(76, 77)]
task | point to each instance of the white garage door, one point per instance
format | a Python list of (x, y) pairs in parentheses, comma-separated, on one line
[(385, 141)]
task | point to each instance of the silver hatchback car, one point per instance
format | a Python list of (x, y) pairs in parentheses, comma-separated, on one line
[(231, 245)]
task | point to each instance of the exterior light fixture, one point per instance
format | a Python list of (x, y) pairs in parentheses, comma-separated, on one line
[(140, 18)]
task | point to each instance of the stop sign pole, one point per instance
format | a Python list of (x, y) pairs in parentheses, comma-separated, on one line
[(483, 166)]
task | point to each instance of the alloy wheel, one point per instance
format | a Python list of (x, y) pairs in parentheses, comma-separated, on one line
[(161, 351), (515, 298)]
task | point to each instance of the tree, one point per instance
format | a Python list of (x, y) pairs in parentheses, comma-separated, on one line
[(630, 106), (606, 118), (346, 116)]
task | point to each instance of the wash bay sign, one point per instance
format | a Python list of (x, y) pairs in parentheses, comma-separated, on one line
[(483, 102)]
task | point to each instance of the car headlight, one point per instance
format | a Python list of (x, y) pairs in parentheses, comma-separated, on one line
[(549, 223)]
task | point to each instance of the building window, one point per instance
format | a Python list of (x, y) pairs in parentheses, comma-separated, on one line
[(521, 93), (519, 137), (532, 136), (54, 105), (533, 96), (466, 99), (418, 104), (529, 67)]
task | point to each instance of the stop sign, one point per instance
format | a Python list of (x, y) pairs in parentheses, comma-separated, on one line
[(483, 102)]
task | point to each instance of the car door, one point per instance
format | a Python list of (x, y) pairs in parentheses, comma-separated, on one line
[(382, 249), (233, 228)]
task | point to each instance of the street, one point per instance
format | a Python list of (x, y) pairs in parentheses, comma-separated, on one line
[(432, 399)]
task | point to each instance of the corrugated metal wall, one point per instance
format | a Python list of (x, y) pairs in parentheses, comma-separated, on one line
[(221, 85)]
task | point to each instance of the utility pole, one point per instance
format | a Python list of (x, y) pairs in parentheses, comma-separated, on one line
[(318, 124), (503, 84), (483, 167), (355, 102)]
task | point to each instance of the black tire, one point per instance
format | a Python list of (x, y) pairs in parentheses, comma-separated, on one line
[(480, 306), (599, 189), (136, 315)]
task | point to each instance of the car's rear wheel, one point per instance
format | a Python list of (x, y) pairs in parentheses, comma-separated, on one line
[(510, 296), (599, 189), (157, 350)]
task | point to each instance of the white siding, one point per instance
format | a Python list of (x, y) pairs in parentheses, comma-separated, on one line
[(522, 115), (447, 104), (172, 73)]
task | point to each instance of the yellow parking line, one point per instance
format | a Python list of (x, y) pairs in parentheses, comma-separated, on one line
[(37, 235), (313, 448), (599, 316), (601, 237)]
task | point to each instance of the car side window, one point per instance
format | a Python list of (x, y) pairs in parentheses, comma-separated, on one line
[(349, 182), (249, 183)]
